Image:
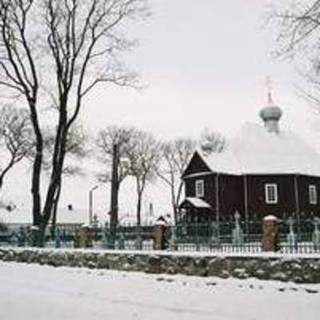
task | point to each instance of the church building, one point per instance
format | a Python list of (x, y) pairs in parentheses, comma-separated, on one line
[(263, 170)]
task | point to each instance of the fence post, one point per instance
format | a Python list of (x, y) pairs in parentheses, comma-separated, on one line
[(197, 235), (316, 234), (214, 240), (291, 236), (160, 230), (22, 237), (270, 234), (173, 240), (109, 239), (57, 238), (237, 233), (138, 241), (121, 242)]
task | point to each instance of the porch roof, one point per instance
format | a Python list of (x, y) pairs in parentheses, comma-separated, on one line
[(195, 202)]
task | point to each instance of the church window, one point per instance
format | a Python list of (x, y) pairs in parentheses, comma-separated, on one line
[(199, 188), (271, 193), (313, 194)]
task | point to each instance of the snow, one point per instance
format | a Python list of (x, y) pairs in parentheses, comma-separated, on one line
[(211, 254), (40, 292), (198, 203), (161, 223), (254, 150), (270, 218)]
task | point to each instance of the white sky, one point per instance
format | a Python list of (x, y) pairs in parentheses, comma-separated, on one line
[(205, 63)]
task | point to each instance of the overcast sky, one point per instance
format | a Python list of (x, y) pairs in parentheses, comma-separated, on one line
[(205, 63)]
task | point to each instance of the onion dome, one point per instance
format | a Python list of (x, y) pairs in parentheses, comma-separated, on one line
[(271, 115)]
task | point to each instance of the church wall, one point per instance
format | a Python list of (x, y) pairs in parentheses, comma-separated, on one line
[(257, 206), (209, 188), (231, 192), (231, 196), (303, 186)]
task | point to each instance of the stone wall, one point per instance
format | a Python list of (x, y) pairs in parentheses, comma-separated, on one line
[(274, 267)]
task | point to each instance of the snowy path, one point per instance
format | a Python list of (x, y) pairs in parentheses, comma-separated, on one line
[(30, 292)]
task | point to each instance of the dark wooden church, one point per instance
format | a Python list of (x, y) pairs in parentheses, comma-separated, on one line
[(263, 171)]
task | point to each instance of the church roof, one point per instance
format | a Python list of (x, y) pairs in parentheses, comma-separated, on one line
[(256, 151)]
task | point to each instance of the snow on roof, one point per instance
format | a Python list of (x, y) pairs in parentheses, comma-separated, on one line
[(161, 223), (270, 218), (256, 151), (198, 203)]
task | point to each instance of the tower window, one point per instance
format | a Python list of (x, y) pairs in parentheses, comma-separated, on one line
[(313, 199), (271, 193), (199, 188)]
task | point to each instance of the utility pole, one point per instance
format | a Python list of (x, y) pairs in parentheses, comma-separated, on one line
[(91, 204)]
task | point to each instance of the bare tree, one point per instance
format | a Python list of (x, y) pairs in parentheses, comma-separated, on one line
[(76, 41), (16, 138), (114, 143), (143, 161), (211, 142), (297, 24), (123, 137), (75, 151), (175, 156)]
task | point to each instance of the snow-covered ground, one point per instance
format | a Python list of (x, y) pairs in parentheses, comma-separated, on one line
[(41, 292)]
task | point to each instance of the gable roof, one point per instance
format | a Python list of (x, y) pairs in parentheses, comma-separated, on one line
[(196, 165), (256, 151)]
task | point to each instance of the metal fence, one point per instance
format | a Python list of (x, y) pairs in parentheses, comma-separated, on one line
[(237, 236), (234, 237)]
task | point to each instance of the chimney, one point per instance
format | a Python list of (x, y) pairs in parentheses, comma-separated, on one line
[(271, 115)]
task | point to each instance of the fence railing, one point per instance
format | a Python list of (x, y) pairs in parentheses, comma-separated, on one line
[(234, 237)]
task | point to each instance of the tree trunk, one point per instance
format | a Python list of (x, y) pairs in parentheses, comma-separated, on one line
[(173, 203), (37, 165), (35, 189), (55, 209), (114, 187), (57, 165), (55, 179), (139, 209), (41, 235), (175, 213), (176, 203), (6, 170)]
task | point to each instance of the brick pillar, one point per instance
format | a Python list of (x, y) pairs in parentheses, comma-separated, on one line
[(270, 234), (158, 237)]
